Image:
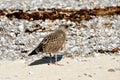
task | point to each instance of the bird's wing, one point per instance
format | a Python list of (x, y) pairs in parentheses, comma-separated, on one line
[(53, 42)]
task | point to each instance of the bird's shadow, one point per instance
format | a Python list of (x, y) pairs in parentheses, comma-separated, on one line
[(46, 60)]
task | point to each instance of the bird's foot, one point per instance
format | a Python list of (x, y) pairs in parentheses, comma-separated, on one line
[(55, 64), (50, 63), (58, 64)]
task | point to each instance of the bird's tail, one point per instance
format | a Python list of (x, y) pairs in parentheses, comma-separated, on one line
[(32, 53)]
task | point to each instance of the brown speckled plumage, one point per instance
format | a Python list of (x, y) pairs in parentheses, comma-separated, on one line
[(52, 42)]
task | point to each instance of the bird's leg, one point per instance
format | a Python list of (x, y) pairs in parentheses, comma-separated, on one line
[(50, 59), (56, 59), (56, 62)]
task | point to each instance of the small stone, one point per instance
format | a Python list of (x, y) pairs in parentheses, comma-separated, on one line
[(59, 79), (67, 62), (79, 75), (30, 72), (85, 74), (111, 70), (117, 69), (89, 75)]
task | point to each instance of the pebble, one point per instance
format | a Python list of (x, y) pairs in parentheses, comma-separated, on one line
[(111, 70), (117, 69), (30, 72)]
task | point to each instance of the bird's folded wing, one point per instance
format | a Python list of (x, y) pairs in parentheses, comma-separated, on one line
[(52, 42)]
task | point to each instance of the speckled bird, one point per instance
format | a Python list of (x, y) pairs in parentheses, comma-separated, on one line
[(52, 43)]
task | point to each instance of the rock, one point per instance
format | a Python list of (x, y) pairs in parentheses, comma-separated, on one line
[(111, 70)]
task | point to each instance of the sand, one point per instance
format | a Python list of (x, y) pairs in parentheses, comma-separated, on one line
[(97, 68)]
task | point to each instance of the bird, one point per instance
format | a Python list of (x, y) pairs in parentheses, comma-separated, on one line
[(52, 43)]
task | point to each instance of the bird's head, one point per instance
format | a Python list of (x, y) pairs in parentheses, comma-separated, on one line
[(64, 27)]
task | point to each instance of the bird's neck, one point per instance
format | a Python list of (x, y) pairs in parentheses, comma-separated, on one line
[(62, 30)]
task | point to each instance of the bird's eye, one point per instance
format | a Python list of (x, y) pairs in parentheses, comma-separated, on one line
[(66, 26)]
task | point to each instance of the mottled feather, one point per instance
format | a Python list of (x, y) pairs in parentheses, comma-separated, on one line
[(52, 42)]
